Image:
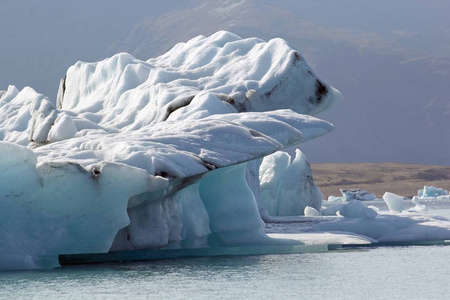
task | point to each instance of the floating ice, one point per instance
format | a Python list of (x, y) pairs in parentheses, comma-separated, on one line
[(431, 192), (332, 210), (394, 202), (142, 154), (288, 188), (374, 208), (311, 212), (355, 209), (398, 227), (419, 206), (353, 194), (357, 194), (332, 198)]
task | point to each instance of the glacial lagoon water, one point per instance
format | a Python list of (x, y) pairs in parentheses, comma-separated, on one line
[(414, 272)]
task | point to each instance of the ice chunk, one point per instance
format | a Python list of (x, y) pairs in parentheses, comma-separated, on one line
[(332, 210), (431, 192), (394, 202), (43, 116), (63, 129), (419, 206), (393, 227), (355, 209), (311, 212), (357, 194), (326, 238), (374, 208), (287, 188), (332, 198)]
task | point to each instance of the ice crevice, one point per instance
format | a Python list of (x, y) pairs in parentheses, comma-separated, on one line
[(163, 153)]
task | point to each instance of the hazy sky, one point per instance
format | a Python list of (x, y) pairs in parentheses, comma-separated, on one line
[(41, 39)]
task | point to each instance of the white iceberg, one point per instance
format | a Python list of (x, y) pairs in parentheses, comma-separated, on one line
[(166, 154), (149, 154)]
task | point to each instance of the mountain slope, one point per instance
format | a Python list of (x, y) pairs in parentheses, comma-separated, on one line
[(396, 103)]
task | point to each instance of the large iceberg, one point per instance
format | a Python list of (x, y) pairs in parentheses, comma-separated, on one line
[(149, 154)]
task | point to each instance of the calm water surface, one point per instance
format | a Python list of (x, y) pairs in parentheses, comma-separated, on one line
[(416, 272)]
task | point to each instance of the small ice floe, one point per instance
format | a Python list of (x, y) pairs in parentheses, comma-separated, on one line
[(431, 192), (335, 199), (406, 226), (353, 194), (394, 202), (352, 209), (357, 194), (311, 212), (355, 209)]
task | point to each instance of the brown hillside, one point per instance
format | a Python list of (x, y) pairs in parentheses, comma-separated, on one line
[(402, 179)]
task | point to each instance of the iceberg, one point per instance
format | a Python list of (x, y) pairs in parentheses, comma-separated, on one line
[(431, 192), (182, 153), (156, 154)]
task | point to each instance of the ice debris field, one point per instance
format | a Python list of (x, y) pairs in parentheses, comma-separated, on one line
[(177, 153)]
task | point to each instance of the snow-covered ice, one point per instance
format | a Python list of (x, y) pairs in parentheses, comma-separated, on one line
[(393, 227), (142, 154), (356, 210), (287, 188)]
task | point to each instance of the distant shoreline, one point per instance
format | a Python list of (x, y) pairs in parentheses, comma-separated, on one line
[(377, 178)]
